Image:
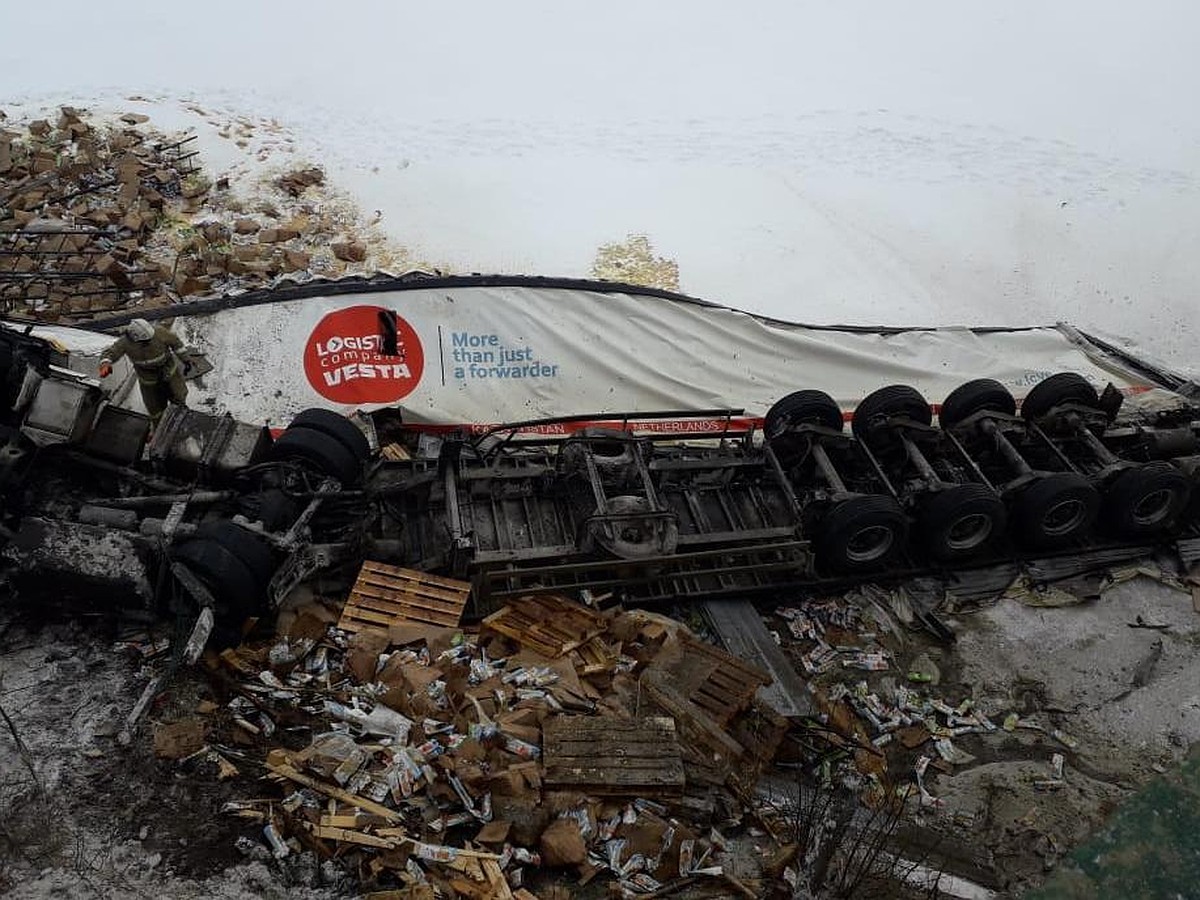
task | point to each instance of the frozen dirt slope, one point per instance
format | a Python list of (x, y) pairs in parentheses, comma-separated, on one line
[(897, 165)]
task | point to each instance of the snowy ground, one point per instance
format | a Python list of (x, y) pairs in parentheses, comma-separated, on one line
[(902, 165)]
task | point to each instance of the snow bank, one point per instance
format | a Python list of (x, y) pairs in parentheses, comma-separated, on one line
[(863, 164)]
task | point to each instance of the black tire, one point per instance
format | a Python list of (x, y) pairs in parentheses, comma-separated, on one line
[(236, 567), (973, 397), (337, 426), (873, 411), (861, 534), (253, 552), (1065, 387), (962, 521), (326, 454), (1147, 500), (1056, 510), (802, 408), (613, 452), (9, 382), (234, 587)]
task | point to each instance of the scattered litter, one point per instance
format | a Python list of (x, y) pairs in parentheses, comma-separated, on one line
[(432, 742), (1025, 591)]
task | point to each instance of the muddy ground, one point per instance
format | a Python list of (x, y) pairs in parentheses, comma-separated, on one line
[(86, 815)]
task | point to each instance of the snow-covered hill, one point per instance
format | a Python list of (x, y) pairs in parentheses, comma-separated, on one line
[(899, 164)]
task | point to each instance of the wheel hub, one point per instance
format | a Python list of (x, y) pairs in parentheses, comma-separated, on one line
[(969, 531), (1153, 508), (1064, 517), (870, 543)]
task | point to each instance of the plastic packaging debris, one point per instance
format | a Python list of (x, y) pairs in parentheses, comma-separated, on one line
[(643, 805), (927, 799), (582, 819), (380, 721), (521, 748), (278, 847), (951, 754), (287, 652), (612, 849), (873, 661), (686, 851), (525, 857), (1065, 739), (434, 852)]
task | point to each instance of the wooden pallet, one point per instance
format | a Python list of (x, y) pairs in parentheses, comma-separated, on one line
[(717, 682), (549, 624), (612, 757), (387, 595)]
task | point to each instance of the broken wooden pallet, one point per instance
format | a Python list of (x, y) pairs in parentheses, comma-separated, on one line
[(385, 595), (612, 757), (718, 682), (594, 657), (549, 624)]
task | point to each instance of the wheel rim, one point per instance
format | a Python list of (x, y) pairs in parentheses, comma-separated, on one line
[(1153, 507), (870, 543), (1064, 517), (969, 531)]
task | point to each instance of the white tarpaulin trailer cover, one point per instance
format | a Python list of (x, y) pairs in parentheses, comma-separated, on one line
[(478, 351)]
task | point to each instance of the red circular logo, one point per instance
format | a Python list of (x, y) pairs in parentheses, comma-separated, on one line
[(363, 354)]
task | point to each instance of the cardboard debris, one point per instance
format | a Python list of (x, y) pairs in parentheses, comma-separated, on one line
[(562, 843), (114, 215), (295, 182), (349, 251), (444, 755), (180, 739)]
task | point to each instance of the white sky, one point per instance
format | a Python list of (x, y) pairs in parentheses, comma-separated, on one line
[(916, 163)]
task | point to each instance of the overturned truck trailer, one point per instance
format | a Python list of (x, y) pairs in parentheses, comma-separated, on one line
[(357, 420)]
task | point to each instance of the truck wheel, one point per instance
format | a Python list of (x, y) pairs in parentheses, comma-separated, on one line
[(252, 551), (234, 588), (612, 451), (326, 454), (1146, 500), (1056, 510), (861, 534), (973, 397), (874, 410), (962, 521), (337, 426), (236, 567), (802, 408), (635, 537), (1065, 387)]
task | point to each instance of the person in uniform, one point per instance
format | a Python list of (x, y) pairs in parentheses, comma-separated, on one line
[(152, 349)]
